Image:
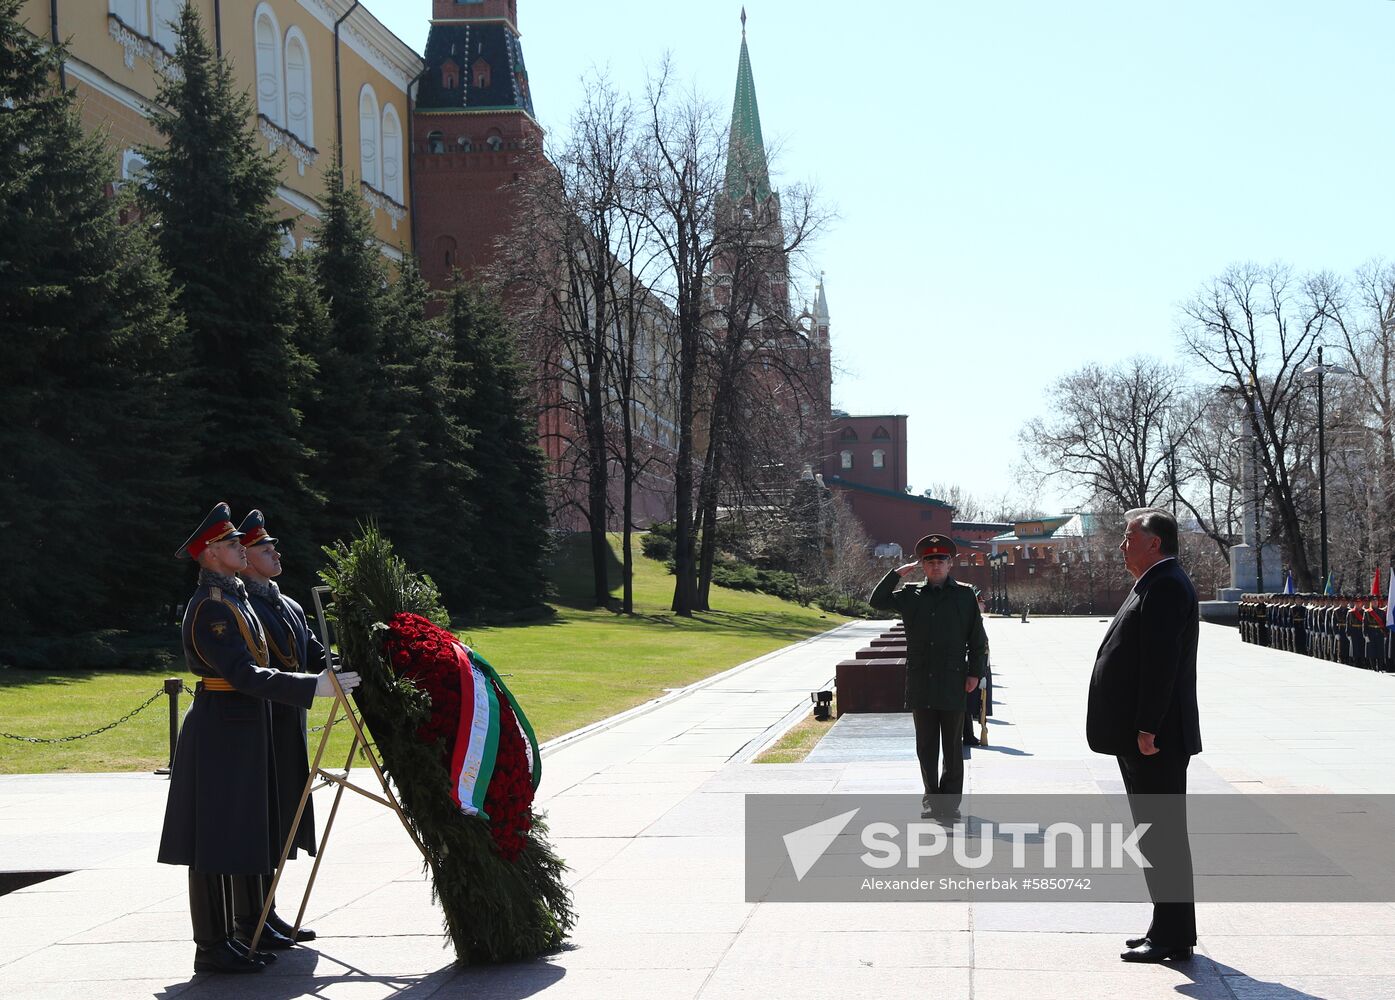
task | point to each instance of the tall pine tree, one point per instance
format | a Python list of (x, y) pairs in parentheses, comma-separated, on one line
[(437, 524), (509, 489), (351, 422), (87, 413), (210, 189)]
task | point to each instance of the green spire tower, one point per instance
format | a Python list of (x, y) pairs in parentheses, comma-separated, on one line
[(747, 171)]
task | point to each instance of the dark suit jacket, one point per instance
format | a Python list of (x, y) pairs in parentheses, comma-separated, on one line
[(1145, 671)]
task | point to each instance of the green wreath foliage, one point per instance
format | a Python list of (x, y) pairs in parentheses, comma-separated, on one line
[(495, 910)]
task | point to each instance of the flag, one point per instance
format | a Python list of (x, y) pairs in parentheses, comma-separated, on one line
[(1288, 583), (1375, 583), (1327, 590)]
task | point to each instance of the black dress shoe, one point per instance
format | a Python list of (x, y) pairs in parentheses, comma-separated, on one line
[(275, 922), (1152, 954), (948, 815), (1136, 942), (244, 948), (271, 937), (223, 957), (971, 741)]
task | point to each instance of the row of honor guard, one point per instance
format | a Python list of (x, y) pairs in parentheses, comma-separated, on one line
[(1349, 630), (241, 765)]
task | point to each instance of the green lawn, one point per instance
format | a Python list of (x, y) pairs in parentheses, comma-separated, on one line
[(578, 667)]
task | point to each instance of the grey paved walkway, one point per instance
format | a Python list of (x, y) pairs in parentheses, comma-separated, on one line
[(648, 811)]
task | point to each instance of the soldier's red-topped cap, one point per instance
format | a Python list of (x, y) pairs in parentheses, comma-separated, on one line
[(215, 528), (253, 528), (935, 545)]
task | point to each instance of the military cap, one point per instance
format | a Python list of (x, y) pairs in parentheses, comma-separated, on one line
[(216, 527), (253, 528), (936, 545)]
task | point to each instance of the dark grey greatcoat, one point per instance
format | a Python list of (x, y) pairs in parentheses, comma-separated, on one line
[(221, 815), (293, 647), (945, 639)]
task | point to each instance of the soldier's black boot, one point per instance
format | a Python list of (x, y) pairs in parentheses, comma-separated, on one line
[(214, 951), (248, 898)]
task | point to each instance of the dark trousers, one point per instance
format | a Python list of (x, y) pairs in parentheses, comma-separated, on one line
[(209, 908), (248, 897), (1157, 788), (936, 729)]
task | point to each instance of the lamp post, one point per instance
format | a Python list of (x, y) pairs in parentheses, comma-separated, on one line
[(1321, 371), (1248, 435)]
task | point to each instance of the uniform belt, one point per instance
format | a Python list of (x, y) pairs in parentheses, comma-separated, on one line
[(215, 684)]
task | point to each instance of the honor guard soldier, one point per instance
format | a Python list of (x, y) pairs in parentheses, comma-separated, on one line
[(221, 816), (946, 658), (1372, 627), (294, 648), (1354, 645), (1329, 628)]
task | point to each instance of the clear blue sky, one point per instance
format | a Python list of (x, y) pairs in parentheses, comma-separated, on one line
[(1021, 187)]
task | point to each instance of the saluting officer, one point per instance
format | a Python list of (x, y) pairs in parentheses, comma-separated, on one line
[(947, 655), (294, 648), (220, 818)]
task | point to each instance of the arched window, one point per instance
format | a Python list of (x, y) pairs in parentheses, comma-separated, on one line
[(880, 434), (392, 154), (446, 251), (300, 104), (287, 244), (164, 23), (131, 13), (270, 101), (368, 142), (132, 167), (848, 434), (845, 460), (481, 74), (436, 142), (878, 459), (495, 142), (466, 146), (449, 74)]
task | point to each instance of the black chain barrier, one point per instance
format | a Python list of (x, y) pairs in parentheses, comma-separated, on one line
[(171, 689), (82, 736)]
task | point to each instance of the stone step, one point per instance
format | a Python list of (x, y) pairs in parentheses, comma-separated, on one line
[(866, 685)]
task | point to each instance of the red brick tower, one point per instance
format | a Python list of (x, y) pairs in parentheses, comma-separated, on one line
[(473, 135)]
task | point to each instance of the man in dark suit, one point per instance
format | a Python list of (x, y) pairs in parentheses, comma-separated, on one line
[(1143, 711)]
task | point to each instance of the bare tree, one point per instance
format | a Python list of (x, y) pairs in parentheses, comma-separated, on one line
[(967, 507), (1257, 328), (1209, 470), (559, 255), (1364, 319), (852, 569), (680, 167), (764, 375), (1113, 432)]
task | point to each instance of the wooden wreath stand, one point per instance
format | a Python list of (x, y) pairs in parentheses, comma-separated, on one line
[(320, 777)]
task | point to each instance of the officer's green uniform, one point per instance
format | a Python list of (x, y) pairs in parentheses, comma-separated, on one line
[(945, 640), (945, 645)]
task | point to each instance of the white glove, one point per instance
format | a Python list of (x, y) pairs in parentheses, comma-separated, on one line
[(324, 687)]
